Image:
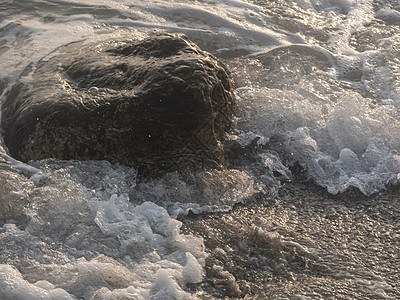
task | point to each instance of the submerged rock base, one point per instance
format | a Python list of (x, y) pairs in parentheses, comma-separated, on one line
[(160, 103)]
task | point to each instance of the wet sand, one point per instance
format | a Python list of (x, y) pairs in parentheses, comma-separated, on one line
[(303, 244)]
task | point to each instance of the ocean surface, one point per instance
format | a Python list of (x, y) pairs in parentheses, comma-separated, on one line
[(309, 205)]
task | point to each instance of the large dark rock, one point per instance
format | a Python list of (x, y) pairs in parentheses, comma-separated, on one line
[(160, 103)]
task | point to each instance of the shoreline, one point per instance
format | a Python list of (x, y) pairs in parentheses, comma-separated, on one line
[(303, 243)]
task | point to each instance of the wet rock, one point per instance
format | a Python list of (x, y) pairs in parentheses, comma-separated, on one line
[(160, 103)]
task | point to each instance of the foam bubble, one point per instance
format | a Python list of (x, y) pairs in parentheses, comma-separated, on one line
[(193, 271), (14, 287), (81, 237), (342, 143)]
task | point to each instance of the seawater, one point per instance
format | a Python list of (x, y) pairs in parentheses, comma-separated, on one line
[(318, 90)]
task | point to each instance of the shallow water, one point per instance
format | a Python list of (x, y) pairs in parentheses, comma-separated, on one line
[(306, 244), (302, 211)]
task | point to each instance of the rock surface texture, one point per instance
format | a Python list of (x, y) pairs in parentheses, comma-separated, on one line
[(158, 103)]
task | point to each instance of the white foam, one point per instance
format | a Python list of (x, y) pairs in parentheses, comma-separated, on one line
[(211, 190), (357, 13), (340, 143), (193, 271), (85, 242), (14, 287)]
